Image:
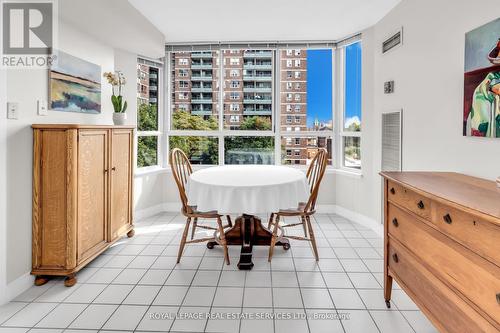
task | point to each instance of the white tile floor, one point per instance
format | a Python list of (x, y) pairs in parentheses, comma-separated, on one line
[(136, 286)]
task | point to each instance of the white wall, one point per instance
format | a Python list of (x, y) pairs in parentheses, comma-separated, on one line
[(428, 73)]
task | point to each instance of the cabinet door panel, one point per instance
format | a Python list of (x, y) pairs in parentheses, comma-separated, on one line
[(92, 191), (121, 182)]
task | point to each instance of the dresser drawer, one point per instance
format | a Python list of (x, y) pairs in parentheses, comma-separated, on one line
[(476, 234), (446, 309), (412, 201), (474, 277)]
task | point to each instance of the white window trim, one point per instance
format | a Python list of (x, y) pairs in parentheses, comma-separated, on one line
[(336, 134), (160, 133)]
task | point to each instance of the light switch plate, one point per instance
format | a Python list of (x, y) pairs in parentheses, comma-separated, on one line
[(42, 108), (12, 110)]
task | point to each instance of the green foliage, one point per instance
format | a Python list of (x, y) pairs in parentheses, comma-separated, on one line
[(118, 104), (354, 127), (256, 123), (183, 120), (147, 117), (200, 150), (147, 151)]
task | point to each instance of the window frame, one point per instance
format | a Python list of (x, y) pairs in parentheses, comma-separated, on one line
[(336, 134), (342, 132), (160, 132)]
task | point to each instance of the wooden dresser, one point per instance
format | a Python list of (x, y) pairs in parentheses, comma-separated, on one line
[(442, 246), (82, 195)]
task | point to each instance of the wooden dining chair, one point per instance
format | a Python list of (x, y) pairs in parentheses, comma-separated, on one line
[(304, 210), (181, 169)]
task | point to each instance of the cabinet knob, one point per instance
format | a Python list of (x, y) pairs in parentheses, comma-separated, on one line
[(395, 222), (498, 298), (420, 205), (106, 170), (393, 191), (447, 218), (113, 168), (395, 257)]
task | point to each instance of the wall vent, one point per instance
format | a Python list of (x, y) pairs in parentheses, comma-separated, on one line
[(392, 133), (393, 41)]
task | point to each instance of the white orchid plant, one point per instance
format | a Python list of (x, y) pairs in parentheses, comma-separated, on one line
[(117, 80)]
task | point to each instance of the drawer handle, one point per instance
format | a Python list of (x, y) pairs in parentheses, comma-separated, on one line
[(395, 222), (447, 218), (498, 298), (393, 191), (395, 257), (420, 205)]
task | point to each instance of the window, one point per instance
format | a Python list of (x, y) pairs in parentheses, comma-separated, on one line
[(148, 122), (351, 115), (183, 61), (222, 105)]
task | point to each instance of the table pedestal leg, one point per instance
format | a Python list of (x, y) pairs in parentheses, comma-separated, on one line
[(248, 231)]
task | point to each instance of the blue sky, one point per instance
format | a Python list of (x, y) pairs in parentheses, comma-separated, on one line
[(319, 84)]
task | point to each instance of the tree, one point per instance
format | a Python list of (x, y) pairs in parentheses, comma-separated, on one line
[(147, 146), (199, 149)]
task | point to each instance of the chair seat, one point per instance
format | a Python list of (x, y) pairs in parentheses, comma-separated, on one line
[(195, 211), (297, 211)]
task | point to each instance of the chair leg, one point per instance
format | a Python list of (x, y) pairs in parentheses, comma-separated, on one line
[(195, 224), (270, 221), (223, 240), (183, 239), (313, 239), (273, 239), (229, 221), (304, 225)]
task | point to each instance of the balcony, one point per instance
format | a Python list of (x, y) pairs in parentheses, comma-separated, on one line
[(266, 66), (257, 78), (201, 66), (258, 54), (201, 100), (201, 89), (257, 112), (201, 78), (200, 55), (153, 88), (201, 112), (153, 76), (257, 101), (258, 89)]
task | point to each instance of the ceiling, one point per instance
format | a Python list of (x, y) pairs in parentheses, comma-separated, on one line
[(261, 20)]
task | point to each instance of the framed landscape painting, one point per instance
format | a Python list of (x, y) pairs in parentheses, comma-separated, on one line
[(75, 85), (482, 81)]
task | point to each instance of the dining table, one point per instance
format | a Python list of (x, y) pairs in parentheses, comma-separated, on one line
[(247, 191)]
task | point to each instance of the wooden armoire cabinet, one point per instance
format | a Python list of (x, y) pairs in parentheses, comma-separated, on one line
[(82, 195)]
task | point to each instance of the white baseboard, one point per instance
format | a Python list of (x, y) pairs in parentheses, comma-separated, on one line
[(17, 287), (322, 209)]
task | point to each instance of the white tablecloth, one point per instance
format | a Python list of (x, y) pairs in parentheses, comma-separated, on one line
[(248, 189)]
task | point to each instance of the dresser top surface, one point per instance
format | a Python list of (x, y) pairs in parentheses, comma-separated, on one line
[(471, 192), (79, 126)]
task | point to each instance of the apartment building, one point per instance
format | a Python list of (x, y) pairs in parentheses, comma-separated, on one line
[(147, 84)]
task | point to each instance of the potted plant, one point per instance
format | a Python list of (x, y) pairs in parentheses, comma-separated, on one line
[(117, 80)]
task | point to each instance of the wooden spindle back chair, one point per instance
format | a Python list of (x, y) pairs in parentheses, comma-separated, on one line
[(314, 175), (181, 170)]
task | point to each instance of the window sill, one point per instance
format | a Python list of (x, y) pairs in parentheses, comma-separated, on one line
[(147, 171), (158, 170)]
